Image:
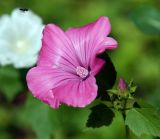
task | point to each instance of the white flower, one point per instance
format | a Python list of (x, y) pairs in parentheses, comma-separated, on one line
[(20, 38)]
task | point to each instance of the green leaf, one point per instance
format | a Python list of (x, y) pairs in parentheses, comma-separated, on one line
[(100, 115), (106, 77), (147, 19), (10, 83), (142, 104), (133, 89), (143, 121), (38, 116), (113, 91)]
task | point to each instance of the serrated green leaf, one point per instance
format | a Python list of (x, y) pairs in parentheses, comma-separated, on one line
[(100, 115), (143, 121), (38, 116), (10, 83), (147, 19)]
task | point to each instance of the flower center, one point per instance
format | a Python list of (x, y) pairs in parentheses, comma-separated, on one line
[(21, 46), (82, 72)]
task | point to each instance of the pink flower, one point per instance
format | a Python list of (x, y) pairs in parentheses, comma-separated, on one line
[(67, 63)]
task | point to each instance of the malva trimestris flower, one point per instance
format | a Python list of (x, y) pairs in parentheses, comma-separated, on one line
[(20, 38), (68, 62)]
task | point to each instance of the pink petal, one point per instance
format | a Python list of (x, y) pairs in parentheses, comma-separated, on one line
[(96, 65), (42, 80), (57, 50), (77, 93), (86, 39), (107, 43), (99, 29)]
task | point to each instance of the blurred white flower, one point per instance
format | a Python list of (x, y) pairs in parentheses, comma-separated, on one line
[(20, 38)]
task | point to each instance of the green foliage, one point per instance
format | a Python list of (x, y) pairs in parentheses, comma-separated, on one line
[(143, 104), (147, 19), (143, 121), (10, 83), (38, 116), (141, 118), (100, 115)]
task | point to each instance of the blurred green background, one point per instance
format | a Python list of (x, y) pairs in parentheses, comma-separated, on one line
[(136, 27)]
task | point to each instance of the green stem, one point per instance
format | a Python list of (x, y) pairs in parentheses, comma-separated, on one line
[(124, 117), (127, 132), (126, 127), (124, 109)]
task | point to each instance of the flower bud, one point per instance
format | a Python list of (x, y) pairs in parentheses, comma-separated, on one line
[(122, 85)]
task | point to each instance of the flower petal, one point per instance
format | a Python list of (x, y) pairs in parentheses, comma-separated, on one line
[(77, 93), (57, 51), (107, 43), (42, 80), (99, 29), (19, 42), (96, 65), (25, 22), (86, 39)]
